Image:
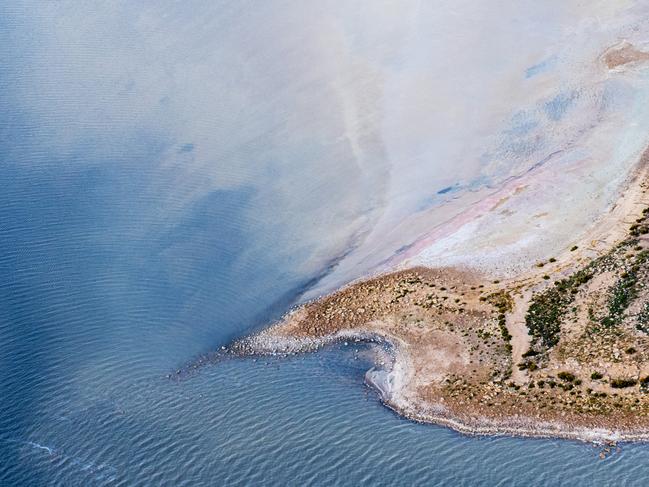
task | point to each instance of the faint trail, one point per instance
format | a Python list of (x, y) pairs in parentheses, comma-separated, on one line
[(520, 338)]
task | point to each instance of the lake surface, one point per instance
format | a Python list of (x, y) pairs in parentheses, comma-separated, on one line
[(175, 175)]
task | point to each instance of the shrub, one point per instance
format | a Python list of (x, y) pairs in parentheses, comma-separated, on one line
[(531, 366), (630, 350), (566, 376), (573, 248), (622, 383), (596, 376)]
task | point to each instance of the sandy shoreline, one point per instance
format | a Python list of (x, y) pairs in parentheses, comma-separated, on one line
[(438, 414)]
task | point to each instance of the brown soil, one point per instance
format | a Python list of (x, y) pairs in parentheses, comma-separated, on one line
[(623, 54)]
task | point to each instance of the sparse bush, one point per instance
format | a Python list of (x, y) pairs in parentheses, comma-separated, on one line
[(544, 315), (596, 376), (622, 293), (566, 376), (622, 383), (643, 318)]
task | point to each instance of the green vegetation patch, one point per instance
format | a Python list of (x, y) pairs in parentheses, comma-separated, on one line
[(544, 315), (504, 303), (624, 291)]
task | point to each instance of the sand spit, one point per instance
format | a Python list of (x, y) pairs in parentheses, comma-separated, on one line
[(560, 351)]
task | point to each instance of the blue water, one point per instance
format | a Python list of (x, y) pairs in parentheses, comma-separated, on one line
[(144, 224)]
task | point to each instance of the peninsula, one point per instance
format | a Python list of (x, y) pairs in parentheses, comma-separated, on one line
[(561, 350)]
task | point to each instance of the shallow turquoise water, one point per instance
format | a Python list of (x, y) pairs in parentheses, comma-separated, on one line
[(140, 229)]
